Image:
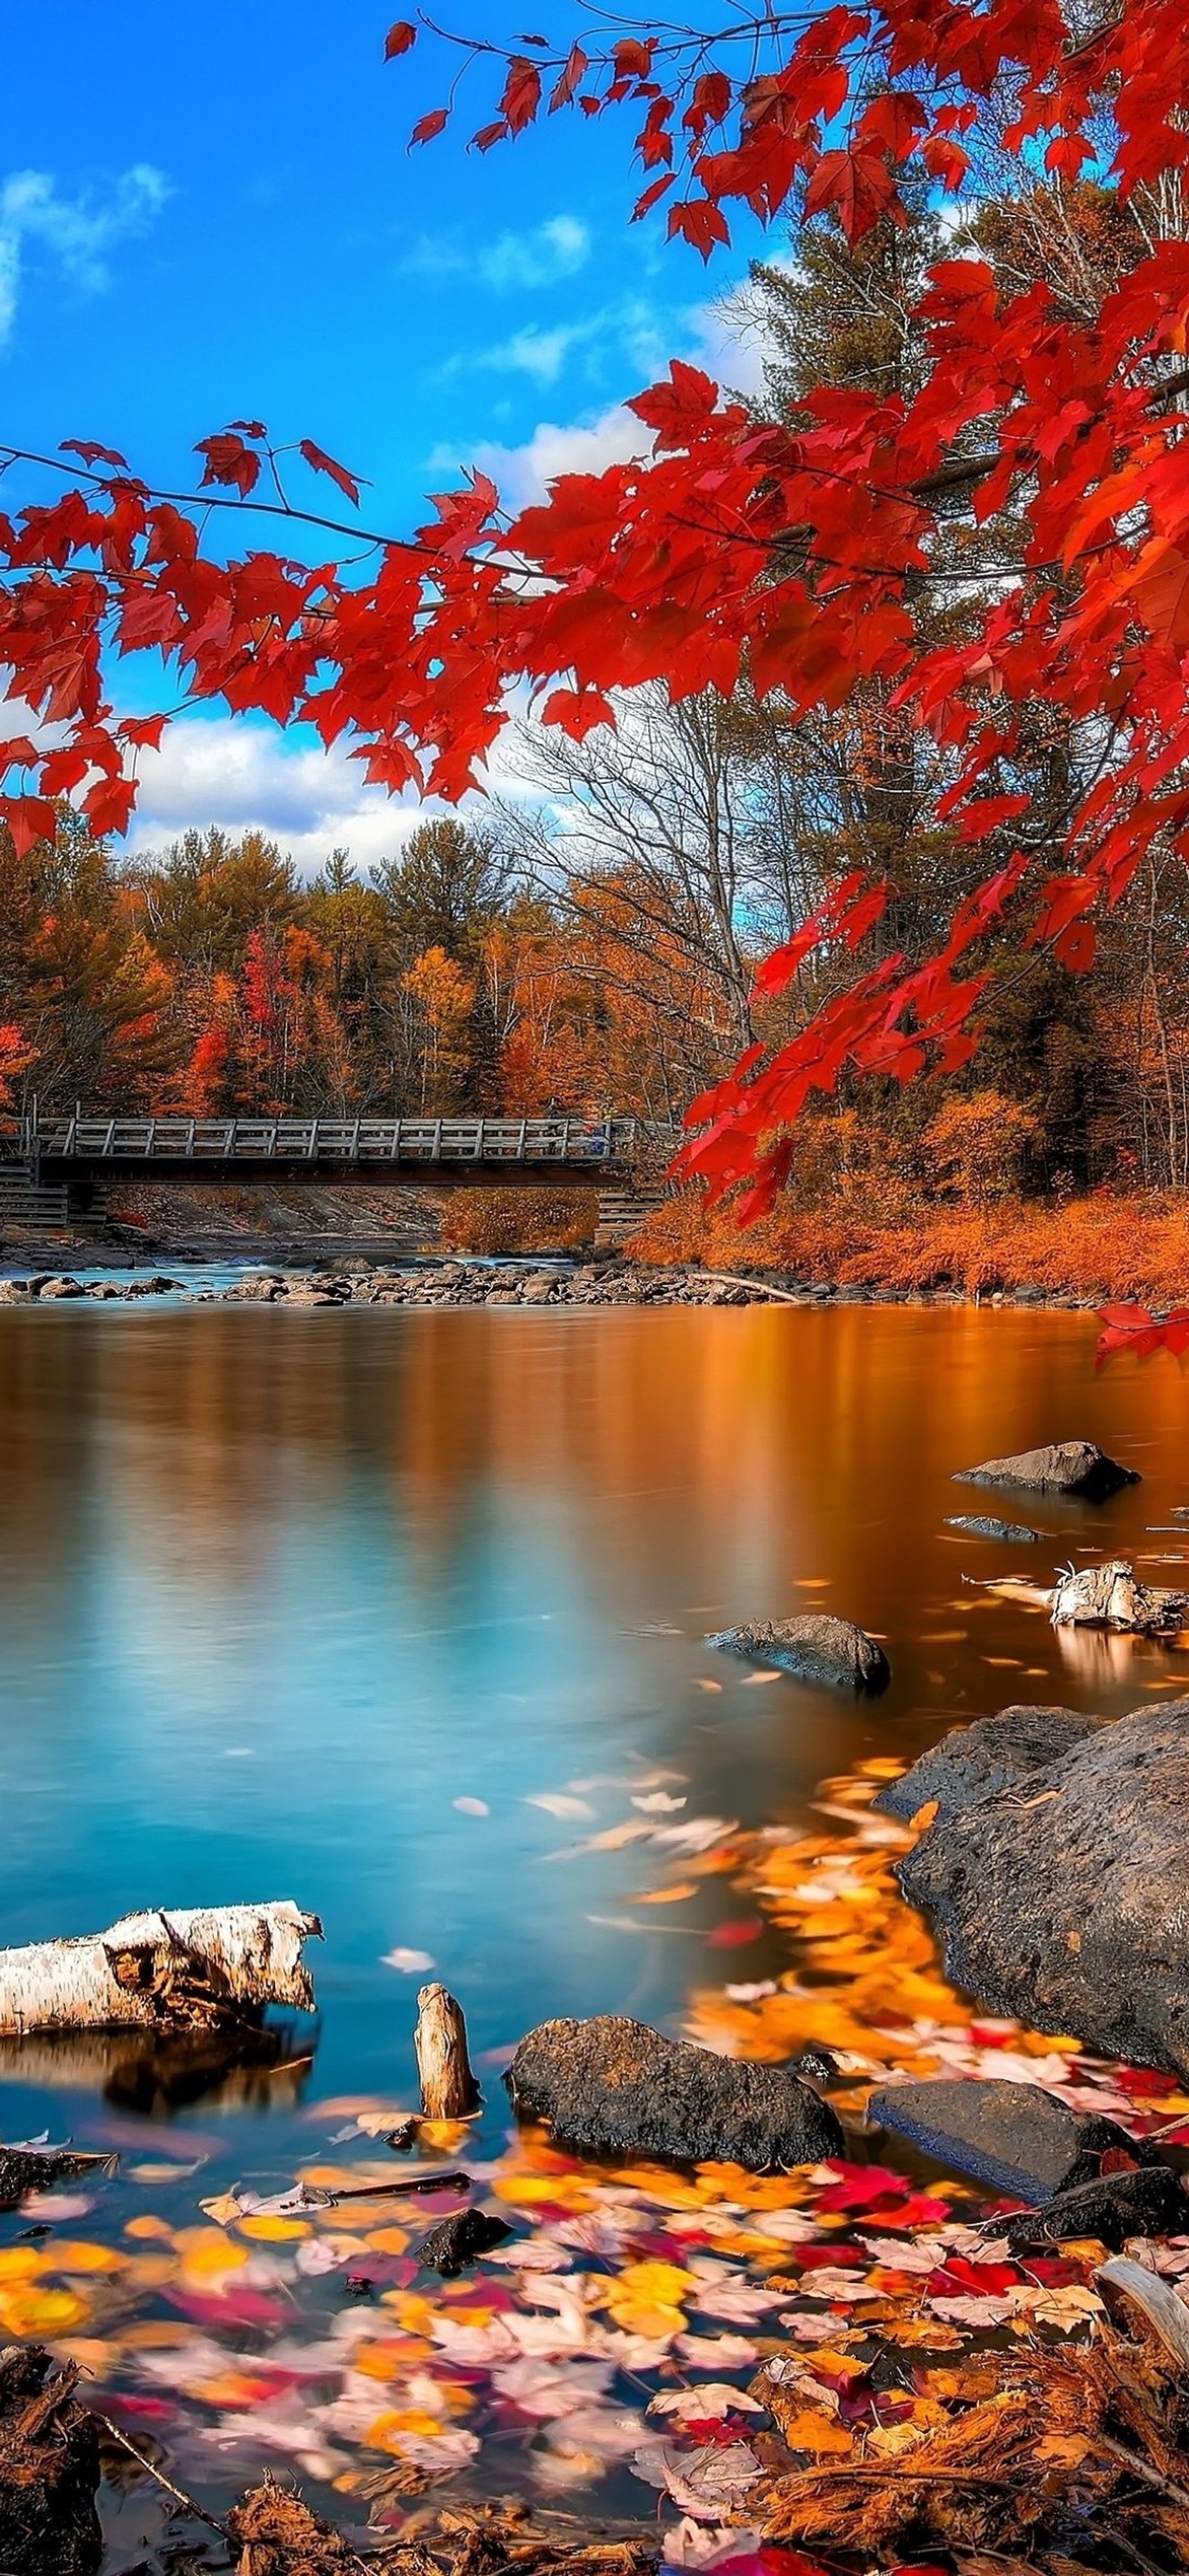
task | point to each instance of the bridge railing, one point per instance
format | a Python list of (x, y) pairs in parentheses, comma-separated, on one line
[(77, 1138)]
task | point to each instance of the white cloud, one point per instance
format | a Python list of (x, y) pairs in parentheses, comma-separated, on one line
[(553, 250), (242, 776), (557, 249), (533, 352), (724, 338), (74, 233), (523, 474)]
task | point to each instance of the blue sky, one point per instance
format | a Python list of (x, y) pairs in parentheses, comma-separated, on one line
[(209, 213)]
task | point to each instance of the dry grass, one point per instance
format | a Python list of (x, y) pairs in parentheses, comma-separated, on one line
[(1102, 1246)]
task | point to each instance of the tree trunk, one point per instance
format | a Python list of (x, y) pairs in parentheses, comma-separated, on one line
[(448, 2088)]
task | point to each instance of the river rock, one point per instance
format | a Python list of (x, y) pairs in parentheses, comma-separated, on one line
[(816, 1648), (1014, 2137), (978, 1760), (460, 2241), (1113, 2207), (62, 1288), (1066, 1467), (1061, 1899), (1010, 1533), (613, 2087)]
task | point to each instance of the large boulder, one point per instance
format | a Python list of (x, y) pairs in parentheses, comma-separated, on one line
[(613, 2087), (978, 1760), (816, 1648), (1062, 1898), (1065, 1467), (1014, 2137)]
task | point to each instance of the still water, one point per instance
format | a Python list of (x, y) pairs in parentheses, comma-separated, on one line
[(278, 1590)]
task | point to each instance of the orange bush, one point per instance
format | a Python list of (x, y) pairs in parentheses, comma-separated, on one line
[(519, 1220), (1129, 1247)]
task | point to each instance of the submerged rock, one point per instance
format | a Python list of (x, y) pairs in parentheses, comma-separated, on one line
[(1011, 1533), (816, 1648), (613, 2087), (975, 1761), (1065, 1467), (1014, 2137), (1065, 1906)]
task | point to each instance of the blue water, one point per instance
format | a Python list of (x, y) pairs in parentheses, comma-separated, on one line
[(277, 1588)]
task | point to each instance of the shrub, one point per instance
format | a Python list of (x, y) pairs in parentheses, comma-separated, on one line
[(519, 1220), (978, 1147)]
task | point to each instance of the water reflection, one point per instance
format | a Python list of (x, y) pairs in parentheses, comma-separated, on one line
[(277, 1590)]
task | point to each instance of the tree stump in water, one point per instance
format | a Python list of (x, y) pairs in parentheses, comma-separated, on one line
[(448, 2087), (49, 2469), (1111, 1596)]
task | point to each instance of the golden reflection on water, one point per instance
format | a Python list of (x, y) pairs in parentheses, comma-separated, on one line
[(765, 1448), (277, 1590)]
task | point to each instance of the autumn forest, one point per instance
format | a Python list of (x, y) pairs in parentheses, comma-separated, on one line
[(593, 940)]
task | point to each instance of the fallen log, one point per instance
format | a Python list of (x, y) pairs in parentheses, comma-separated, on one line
[(448, 2087), (187, 1971), (38, 2168), (1110, 1595)]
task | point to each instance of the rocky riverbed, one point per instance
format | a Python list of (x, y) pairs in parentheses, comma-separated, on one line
[(481, 1283)]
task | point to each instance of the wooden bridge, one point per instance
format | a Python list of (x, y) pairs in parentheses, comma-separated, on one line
[(56, 1167), (81, 1148)]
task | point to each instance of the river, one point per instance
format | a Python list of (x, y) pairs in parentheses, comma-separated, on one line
[(397, 1614)]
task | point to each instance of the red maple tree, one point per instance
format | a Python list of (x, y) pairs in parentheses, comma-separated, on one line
[(787, 555)]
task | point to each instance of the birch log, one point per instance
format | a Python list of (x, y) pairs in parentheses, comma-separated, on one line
[(448, 2088), (188, 1971)]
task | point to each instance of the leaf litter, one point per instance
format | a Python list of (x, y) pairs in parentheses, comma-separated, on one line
[(814, 2360)]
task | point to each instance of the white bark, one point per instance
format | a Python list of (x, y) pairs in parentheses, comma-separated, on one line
[(1111, 1596), (161, 1971)]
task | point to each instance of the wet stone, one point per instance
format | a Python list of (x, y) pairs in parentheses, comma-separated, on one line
[(614, 2087), (979, 1760), (1010, 1533), (1013, 2137), (816, 1648), (1064, 1907), (460, 2241), (1065, 1467), (1112, 2207)]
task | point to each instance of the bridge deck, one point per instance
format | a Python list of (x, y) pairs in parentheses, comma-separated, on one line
[(367, 1151)]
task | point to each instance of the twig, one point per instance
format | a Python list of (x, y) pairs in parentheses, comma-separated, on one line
[(149, 2466), (1140, 2469)]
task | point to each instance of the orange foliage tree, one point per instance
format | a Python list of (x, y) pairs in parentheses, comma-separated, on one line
[(793, 553)]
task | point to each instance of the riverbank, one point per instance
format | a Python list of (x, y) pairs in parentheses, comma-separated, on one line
[(437, 1284), (1079, 1251)]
